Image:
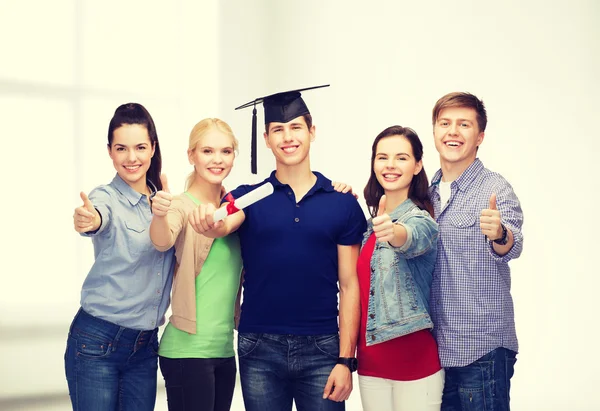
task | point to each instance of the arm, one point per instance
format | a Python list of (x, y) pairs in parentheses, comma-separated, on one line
[(504, 209), (340, 378), (238, 302), (201, 219)]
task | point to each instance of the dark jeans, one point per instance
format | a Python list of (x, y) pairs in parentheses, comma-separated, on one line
[(109, 367), (278, 369), (481, 386), (199, 384)]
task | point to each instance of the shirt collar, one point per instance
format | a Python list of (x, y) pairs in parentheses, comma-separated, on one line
[(130, 194), (465, 179), (323, 183)]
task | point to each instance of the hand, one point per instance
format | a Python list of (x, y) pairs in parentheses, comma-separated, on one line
[(201, 218), (343, 188), (339, 384), (382, 223), (86, 217), (162, 200), (489, 221)]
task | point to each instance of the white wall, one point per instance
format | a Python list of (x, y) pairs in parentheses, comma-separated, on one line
[(533, 63), (66, 65)]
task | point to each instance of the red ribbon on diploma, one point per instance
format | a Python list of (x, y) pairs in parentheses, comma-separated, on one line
[(231, 208)]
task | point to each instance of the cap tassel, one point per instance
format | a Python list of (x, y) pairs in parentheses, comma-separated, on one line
[(253, 143)]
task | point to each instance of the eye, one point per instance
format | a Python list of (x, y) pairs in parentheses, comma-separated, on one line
[(403, 158), (141, 147), (464, 124), (120, 148), (227, 151), (207, 151)]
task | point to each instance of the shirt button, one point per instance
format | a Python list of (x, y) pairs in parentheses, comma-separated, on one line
[(158, 273), (297, 205), (372, 269), (371, 316), (289, 193), (372, 338), (372, 292), (296, 219), (157, 291)]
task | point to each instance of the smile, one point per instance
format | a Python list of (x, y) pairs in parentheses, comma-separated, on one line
[(391, 176), (289, 149), (132, 169), (215, 170)]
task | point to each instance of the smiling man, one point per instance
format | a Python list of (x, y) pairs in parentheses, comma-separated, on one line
[(298, 245), (480, 221)]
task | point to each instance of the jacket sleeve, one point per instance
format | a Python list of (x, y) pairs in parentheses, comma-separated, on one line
[(421, 235)]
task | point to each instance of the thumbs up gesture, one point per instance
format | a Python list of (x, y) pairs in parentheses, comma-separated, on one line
[(382, 223), (86, 217), (162, 200), (489, 220)]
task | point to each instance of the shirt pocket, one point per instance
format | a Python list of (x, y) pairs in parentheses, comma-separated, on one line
[(137, 237), (465, 231)]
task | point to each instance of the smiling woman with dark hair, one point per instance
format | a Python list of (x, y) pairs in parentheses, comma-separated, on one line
[(111, 359)]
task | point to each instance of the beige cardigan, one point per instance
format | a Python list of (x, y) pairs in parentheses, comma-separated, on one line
[(191, 250)]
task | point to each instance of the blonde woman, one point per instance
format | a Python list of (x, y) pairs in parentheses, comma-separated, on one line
[(196, 350)]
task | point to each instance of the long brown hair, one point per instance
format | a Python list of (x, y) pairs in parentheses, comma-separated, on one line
[(417, 191)]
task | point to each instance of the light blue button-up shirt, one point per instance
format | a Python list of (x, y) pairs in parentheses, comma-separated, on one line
[(130, 281)]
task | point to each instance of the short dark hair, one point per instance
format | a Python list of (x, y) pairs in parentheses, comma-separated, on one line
[(459, 99)]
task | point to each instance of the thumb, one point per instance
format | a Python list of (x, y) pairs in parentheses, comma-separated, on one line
[(382, 203), (493, 202), (86, 202), (165, 184)]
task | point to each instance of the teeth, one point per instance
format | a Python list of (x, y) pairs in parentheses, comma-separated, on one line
[(452, 144), (289, 149)]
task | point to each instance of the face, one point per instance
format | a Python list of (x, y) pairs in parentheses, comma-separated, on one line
[(395, 165), (213, 156), (131, 152), (290, 142), (457, 135)]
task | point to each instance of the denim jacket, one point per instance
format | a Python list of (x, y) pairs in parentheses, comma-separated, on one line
[(401, 277)]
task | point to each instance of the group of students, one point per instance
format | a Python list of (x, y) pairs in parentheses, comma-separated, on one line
[(416, 299)]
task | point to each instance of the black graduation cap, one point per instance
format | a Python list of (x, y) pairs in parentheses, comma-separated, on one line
[(280, 108)]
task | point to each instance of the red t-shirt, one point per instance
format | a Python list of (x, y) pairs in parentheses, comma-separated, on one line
[(410, 357)]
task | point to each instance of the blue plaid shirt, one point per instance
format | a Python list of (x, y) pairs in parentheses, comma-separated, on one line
[(471, 305)]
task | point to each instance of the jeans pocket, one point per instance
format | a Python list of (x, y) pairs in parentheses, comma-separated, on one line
[(247, 343), (91, 346), (472, 399), (328, 345)]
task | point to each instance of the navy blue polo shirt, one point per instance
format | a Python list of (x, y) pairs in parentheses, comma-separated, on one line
[(290, 257)]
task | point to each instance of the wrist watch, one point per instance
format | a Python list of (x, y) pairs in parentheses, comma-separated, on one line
[(504, 239), (350, 362)]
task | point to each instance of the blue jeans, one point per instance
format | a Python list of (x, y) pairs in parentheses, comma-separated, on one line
[(481, 386), (278, 369), (199, 384), (109, 367)]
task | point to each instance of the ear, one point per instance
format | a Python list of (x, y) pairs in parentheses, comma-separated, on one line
[(190, 153), (153, 150), (418, 167), (266, 136), (313, 133), (109, 152), (480, 138)]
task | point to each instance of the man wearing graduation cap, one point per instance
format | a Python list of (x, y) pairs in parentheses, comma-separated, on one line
[(297, 245)]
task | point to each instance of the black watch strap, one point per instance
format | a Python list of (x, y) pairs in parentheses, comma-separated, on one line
[(504, 239), (350, 362)]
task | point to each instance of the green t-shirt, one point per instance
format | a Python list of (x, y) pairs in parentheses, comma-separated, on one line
[(216, 291)]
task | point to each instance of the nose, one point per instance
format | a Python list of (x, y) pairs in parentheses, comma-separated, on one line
[(389, 163), (218, 159), (453, 129), (131, 156), (287, 136)]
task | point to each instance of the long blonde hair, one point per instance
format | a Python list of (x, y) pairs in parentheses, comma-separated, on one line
[(199, 131)]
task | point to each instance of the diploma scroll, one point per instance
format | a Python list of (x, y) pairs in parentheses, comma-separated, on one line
[(244, 201)]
